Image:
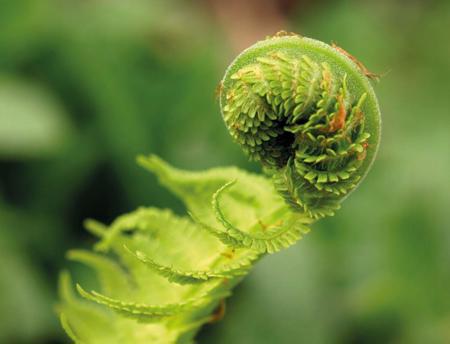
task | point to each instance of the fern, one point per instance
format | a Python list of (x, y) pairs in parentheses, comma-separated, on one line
[(307, 112)]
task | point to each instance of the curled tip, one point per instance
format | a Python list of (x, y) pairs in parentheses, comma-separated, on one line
[(308, 113)]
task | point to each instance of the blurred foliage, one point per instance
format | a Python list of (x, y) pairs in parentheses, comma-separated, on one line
[(87, 85), (32, 124)]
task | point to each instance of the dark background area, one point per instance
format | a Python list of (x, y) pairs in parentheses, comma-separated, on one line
[(87, 85)]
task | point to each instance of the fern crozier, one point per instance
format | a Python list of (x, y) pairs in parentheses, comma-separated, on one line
[(308, 113)]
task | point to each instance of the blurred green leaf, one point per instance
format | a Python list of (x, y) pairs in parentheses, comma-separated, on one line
[(25, 295), (32, 123)]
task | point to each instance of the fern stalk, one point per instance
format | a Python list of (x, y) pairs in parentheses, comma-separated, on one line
[(307, 112)]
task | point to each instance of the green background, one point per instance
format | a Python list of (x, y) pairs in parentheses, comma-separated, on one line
[(85, 86)]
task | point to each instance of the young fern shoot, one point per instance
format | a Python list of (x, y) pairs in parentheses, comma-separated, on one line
[(307, 112)]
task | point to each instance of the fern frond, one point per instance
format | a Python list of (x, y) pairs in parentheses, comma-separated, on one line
[(82, 320), (236, 267), (113, 279), (66, 327), (269, 238), (140, 311), (248, 204), (309, 115)]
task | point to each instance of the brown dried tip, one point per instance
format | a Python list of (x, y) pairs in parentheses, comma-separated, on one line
[(219, 313), (338, 121), (283, 33), (218, 90)]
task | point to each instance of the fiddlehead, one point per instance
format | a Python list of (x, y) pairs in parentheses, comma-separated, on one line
[(307, 112)]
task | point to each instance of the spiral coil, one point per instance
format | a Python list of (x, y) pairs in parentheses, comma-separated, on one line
[(295, 114)]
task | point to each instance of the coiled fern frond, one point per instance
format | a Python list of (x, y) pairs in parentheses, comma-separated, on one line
[(307, 112), (302, 108)]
